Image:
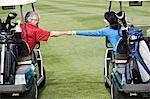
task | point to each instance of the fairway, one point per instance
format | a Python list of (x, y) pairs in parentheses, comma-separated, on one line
[(74, 64)]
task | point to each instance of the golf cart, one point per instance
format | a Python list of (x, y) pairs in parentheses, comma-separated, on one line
[(126, 74), (19, 79)]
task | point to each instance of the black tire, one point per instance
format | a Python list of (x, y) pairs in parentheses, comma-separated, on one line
[(107, 85), (32, 93), (44, 80), (114, 91), (116, 94), (105, 81), (5, 96), (149, 96)]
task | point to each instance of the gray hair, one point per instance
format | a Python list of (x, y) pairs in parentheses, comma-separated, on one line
[(31, 15)]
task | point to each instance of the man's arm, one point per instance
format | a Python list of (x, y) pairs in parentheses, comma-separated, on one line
[(58, 33)]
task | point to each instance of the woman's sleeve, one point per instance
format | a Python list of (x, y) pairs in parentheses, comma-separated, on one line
[(99, 32)]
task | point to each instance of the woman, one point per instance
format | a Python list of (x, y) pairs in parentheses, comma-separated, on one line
[(112, 31)]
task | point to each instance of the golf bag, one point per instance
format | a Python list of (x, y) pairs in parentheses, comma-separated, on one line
[(12, 46), (138, 65)]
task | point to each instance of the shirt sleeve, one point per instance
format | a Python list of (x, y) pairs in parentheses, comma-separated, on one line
[(100, 32), (42, 35)]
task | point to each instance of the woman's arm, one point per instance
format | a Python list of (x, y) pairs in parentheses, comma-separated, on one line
[(89, 33)]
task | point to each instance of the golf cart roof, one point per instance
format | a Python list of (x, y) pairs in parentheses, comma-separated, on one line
[(15, 2), (128, 0)]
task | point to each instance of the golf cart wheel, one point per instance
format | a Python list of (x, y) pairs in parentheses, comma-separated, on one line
[(107, 70), (32, 93), (107, 85), (105, 81), (5, 96), (44, 80), (114, 91), (116, 94)]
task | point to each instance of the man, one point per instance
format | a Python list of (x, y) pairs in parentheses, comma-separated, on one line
[(35, 34)]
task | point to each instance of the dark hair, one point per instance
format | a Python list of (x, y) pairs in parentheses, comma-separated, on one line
[(112, 19), (27, 15)]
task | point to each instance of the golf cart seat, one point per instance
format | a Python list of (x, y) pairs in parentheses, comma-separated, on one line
[(25, 57), (122, 57), (122, 50), (23, 49)]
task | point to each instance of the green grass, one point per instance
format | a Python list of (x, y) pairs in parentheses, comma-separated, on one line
[(74, 65), (74, 68)]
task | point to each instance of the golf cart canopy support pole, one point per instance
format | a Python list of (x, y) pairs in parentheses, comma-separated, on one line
[(110, 3), (33, 7), (23, 21), (120, 6), (110, 6)]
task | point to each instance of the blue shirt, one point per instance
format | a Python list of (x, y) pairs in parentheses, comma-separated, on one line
[(112, 34)]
